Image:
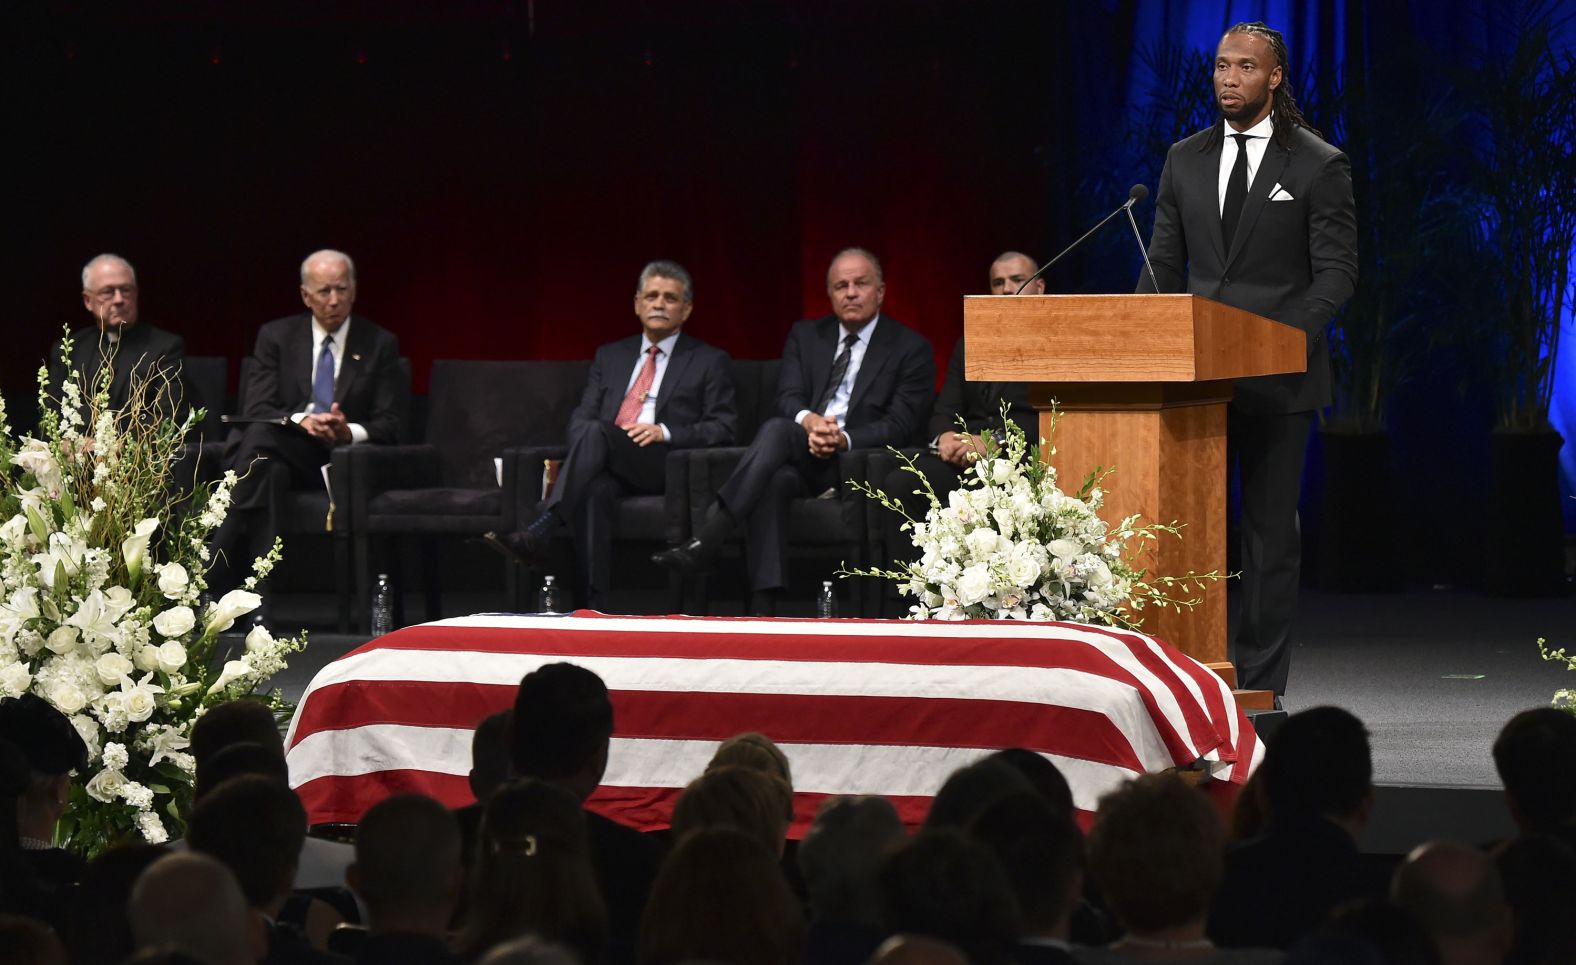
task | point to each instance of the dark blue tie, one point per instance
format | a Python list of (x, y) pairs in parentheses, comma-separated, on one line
[(323, 378)]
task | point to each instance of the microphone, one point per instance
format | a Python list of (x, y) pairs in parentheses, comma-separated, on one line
[(1135, 194)]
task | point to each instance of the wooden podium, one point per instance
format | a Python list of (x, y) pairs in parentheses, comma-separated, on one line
[(1142, 383)]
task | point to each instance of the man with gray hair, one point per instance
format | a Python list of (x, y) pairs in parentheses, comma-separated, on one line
[(646, 395), (131, 351), (1456, 893), (191, 903), (316, 380)]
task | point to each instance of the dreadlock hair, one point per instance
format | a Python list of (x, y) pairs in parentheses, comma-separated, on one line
[(1283, 103)]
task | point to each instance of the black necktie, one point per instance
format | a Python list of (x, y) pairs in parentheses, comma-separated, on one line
[(1236, 192), (839, 369)]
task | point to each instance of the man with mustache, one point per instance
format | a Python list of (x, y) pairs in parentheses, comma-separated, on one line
[(855, 378), (134, 352), (1257, 212), (646, 395), (317, 380)]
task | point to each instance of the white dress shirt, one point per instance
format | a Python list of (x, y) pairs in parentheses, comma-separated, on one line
[(1258, 141), (648, 410), (358, 432), (837, 409)]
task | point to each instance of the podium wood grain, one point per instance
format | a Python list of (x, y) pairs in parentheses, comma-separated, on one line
[(1141, 383)]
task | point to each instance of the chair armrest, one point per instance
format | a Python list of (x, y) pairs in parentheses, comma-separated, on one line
[(708, 470), (878, 466), (376, 468)]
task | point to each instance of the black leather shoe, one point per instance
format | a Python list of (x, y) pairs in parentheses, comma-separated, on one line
[(525, 547), (686, 557)]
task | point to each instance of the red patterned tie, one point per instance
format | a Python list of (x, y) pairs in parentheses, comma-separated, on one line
[(635, 398)]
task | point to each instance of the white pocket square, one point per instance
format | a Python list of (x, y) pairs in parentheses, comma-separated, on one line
[(1279, 193)]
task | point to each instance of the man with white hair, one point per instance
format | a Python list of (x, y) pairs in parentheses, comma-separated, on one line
[(131, 351), (192, 903), (316, 380)]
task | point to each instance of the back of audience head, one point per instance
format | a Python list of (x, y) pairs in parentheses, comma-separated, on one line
[(755, 751), (1538, 872), (1535, 755), (99, 930), (841, 854), (193, 903), (52, 749), (407, 865), (234, 722), (1319, 765), (529, 950), (721, 897), (971, 789), (1156, 853), (25, 941), (533, 873), (1388, 932), (917, 950), (1046, 777), (944, 885), (1042, 853), (753, 801), (1455, 893), (236, 760), (490, 763), (254, 826), (563, 720)]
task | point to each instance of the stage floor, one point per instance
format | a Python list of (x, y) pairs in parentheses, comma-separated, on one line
[(1433, 673)]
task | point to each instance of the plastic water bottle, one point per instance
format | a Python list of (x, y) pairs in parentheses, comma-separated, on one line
[(382, 606), (826, 603), (551, 599)]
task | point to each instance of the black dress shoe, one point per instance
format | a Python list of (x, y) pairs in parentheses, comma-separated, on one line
[(518, 546), (686, 557)]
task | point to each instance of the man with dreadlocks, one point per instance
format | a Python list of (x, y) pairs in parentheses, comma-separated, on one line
[(1257, 212)]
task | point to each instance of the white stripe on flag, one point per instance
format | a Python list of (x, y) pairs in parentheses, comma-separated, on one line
[(906, 770)]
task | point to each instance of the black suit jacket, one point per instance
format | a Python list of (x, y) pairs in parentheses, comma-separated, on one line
[(695, 400), (141, 351), (893, 390), (1294, 261), (979, 403), (371, 388)]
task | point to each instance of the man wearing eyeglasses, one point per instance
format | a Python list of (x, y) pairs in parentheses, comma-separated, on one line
[(131, 351)]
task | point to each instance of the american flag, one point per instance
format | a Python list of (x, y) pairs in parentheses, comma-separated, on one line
[(859, 706)]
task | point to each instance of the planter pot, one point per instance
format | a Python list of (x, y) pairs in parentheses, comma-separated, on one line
[(1524, 531), (1359, 545)]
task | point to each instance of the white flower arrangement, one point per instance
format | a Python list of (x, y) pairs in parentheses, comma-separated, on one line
[(102, 569), (1010, 545), (1564, 698)]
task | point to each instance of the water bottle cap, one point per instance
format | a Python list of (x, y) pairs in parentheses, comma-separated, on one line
[(383, 576), (550, 579), (826, 584)]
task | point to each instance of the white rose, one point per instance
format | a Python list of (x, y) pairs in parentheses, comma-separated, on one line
[(171, 657), (233, 670), (36, 458), (981, 543), (147, 658), (1022, 568), (258, 638), (15, 679), (1099, 575), (221, 616), (134, 547), (1065, 549), (974, 585), (111, 667), (106, 785), (172, 580), (62, 640), (141, 700), (118, 601), (177, 621), (67, 697)]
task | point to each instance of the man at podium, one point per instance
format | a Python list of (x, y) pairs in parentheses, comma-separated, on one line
[(1257, 212)]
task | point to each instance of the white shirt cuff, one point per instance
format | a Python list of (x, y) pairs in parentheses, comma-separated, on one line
[(800, 417), (358, 432), (666, 435)]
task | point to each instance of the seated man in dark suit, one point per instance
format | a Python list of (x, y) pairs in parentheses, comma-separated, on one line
[(853, 378), (979, 403), (320, 379), (563, 729), (134, 352), (646, 395)]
